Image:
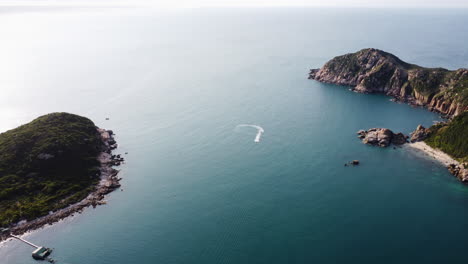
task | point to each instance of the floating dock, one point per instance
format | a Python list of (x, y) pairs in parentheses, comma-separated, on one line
[(40, 253)]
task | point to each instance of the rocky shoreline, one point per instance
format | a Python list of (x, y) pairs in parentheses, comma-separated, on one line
[(384, 137), (109, 181)]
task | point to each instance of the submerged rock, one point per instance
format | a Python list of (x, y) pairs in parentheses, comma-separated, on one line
[(353, 162)]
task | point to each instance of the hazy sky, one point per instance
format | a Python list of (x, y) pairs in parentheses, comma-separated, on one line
[(240, 3)]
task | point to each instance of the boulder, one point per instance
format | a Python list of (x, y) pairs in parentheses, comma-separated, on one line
[(399, 139), (459, 171), (463, 174), (361, 134), (384, 137), (419, 134), (371, 138), (453, 169), (362, 131), (377, 136)]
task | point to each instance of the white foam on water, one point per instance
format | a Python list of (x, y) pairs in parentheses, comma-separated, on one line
[(260, 131)]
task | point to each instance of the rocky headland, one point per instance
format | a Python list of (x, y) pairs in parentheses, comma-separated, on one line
[(65, 160), (376, 71), (438, 89)]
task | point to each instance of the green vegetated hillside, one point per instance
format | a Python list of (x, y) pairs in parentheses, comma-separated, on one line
[(46, 165), (452, 138)]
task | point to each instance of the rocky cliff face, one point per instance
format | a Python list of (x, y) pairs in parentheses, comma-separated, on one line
[(376, 71)]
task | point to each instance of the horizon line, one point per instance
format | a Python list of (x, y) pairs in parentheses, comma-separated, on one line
[(129, 4)]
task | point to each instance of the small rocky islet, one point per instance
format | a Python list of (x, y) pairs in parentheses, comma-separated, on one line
[(438, 89), (382, 137), (52, 168)]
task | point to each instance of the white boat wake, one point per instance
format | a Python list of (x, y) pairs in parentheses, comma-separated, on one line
[(260, 131)]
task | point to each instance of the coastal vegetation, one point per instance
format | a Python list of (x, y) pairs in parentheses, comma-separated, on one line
[(451, 138), (46, 165)]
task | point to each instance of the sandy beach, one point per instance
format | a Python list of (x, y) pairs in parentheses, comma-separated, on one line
[(455, 168), (436, 154)]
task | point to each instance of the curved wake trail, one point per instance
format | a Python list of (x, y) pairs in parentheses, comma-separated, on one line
[(260, 130)]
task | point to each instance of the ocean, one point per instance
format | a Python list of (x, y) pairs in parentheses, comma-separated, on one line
[(197, 188)]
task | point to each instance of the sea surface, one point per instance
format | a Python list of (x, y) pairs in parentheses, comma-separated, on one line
[(175, 85)]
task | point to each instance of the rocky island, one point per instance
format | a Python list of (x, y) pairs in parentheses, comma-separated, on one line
[(51, 168), (438, 89)]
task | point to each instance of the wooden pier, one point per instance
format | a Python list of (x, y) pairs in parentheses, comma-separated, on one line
[(22, 240)]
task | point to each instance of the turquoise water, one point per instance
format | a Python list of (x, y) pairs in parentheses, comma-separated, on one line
[(199, 190)]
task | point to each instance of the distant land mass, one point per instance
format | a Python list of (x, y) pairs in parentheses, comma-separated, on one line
[(376, 71), (438, 89), (57, 161)]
